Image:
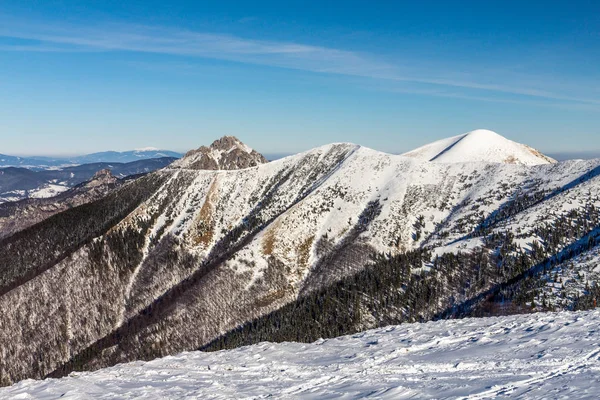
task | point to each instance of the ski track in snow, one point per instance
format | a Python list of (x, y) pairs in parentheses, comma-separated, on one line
[(553, 355)]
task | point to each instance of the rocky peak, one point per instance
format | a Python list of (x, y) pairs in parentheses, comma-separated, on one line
[(102, 177), (226, 153), (227, 143)]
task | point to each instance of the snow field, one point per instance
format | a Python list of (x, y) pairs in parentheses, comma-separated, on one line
[(553, 355)]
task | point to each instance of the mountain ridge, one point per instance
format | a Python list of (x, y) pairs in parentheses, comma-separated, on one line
[(151, 152)]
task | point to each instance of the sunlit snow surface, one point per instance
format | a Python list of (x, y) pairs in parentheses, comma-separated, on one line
[(479, 145), (553, 355)]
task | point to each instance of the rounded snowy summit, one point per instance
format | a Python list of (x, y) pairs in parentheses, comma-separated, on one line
[(482, 134), (480, 145)]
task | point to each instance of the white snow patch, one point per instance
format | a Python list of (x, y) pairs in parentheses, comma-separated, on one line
[(47, 191), (142, 149)]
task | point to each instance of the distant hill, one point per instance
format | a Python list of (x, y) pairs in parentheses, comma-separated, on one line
[(23, 183), (25, 162), (41, 163), (575, 155), (125, 156)]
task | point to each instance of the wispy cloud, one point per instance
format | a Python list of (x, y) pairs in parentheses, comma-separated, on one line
[(135, 38), (490, 98)]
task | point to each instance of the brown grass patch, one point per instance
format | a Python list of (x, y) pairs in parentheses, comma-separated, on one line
[(270, 298), (540, 155), (204, 224), (304, 254), (269, 240)]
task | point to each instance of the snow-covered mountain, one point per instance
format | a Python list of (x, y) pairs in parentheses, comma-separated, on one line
[(480, 145), (334, 240), (554, 355)]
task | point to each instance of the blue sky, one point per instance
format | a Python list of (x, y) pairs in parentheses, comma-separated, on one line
[(84, 76)]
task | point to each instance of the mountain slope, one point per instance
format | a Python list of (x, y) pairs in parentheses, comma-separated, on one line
[(198, 253), (553, 355), (479, 146)]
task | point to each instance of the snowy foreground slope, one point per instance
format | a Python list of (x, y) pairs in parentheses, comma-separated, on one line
[(554, 355)]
